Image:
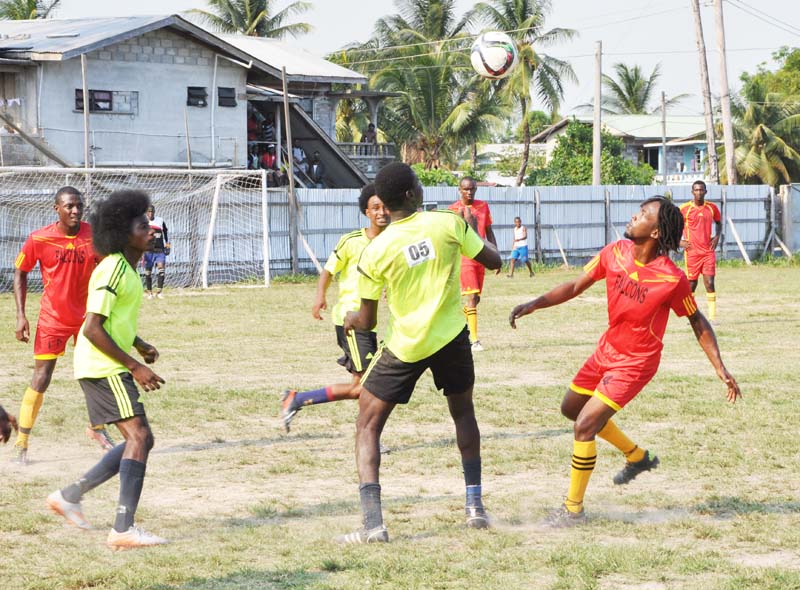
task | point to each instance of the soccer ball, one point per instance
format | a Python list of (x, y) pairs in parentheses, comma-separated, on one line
[(494, 55)]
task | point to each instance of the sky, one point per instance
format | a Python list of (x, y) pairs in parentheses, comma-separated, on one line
[(645, 33)]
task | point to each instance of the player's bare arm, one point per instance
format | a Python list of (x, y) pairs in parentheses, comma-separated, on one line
[(489, 256), (7, 422), (148, 351), (686, 244), (365, 319), (718, 232), (708, 342), (96, 334), (23, 329), (556, 296), (322, 289)]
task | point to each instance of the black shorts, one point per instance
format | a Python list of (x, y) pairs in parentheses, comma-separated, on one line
[(392, 380), (111, 399), (359, 349)]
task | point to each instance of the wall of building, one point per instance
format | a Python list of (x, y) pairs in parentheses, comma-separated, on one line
[(149, 76)]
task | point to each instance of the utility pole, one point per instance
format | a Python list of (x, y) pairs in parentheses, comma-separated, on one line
[(725, 96), (705, 87), (598, 80), (664, 136)]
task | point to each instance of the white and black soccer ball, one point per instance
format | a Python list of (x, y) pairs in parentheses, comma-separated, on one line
[(494, 55)]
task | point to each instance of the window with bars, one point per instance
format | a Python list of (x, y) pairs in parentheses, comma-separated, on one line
[(100, 101)]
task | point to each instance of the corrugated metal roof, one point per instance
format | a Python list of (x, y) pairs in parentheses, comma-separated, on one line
[(300, 64), (58, 37), (636, 126)]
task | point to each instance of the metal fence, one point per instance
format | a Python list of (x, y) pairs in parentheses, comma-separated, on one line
[(582, 219)]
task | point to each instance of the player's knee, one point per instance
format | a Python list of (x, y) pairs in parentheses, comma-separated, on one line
[(585, 427)]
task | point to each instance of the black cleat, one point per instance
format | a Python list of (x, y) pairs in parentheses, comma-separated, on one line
[(631, 470)]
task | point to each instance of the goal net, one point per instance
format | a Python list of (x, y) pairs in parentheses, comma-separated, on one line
[(216, 219)]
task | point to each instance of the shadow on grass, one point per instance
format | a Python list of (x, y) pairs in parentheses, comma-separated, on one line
[(251, 580), (451, 441), (730, 506), (226, 444)]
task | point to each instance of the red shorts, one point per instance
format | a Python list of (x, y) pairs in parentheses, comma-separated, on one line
[(472, 278), (51, 342), (697, 264), (613, 377)]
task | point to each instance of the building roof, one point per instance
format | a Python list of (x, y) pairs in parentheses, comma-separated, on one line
[(301, 66), (642, 127)]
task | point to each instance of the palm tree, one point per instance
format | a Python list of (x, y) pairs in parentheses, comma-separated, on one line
[(421, 21), (632, 92), (524, 21), (767, 133), (26, 9), (256, 18)]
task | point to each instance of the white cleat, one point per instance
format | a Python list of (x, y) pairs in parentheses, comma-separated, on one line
[(134, 538), (477, 346), (71, 511)]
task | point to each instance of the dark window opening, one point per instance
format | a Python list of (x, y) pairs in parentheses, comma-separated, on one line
[(100, 101), (227, 97), (196, 96)]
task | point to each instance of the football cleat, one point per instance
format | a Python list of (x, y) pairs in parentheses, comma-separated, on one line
[(71, 511), (134, 538), (160, 295), (477, 517), (361, 536), (561, 518), (631, 470), (288, 409), (101, 437), (477, 346), (20, 456)]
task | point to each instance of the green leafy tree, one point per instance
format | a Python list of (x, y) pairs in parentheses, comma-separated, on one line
[(256, 18), (441, 108), (571, 162), (524, 21), (632, 92), (784, 80), (26, 9), (434, 176), (767, 134)]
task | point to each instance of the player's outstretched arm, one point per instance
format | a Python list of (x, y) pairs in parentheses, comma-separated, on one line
[(7, 422), (708, 342), (555, 296), (96, 334), (148, 351), (489, 256), (365, 319), (320, 303), (23, 329)]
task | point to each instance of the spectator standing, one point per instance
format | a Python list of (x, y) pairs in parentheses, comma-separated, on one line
[(316, 171), (519, 250)]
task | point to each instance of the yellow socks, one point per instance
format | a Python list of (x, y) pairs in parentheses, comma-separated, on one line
[(31, 403), (472, 322), (584, 457), (711, 299), (612, 434)]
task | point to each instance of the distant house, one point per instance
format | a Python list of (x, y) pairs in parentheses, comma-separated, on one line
[(160, 89), (642, 135)]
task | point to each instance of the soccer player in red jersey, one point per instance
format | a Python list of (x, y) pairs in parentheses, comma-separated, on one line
[(472, 273), (698, 245), (66, 259), (642, 285)]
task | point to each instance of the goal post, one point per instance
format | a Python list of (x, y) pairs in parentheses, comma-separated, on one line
[(217, 220)]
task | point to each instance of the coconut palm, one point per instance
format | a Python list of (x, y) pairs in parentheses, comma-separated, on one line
[(767, 134), (631, 93), (545, 75), (256, 18), (421, 21), (26, 9)]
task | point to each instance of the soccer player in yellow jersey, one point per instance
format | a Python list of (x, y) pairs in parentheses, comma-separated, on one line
[(642, 286), (106, 371), (359, 346), (417, 259)]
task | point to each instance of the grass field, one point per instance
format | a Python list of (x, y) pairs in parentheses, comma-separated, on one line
[(248, 507)]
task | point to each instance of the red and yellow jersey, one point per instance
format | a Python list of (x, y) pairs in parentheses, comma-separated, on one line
[(480, 209), (66, 263), (697, 224), (639, 298)]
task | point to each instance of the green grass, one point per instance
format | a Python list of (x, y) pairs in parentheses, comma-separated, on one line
[(248, 507)]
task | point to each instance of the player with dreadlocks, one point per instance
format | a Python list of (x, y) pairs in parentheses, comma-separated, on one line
[(642, 285)]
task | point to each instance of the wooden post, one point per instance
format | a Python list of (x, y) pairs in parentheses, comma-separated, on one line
[(705, 86), (596, 137), (537, 225), (188, 144), (607, 216), (725, 96), (293, 209), (739, 242), (86, 101)]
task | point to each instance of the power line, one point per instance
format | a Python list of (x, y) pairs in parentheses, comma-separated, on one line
[(746, 9), (769, 16)]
